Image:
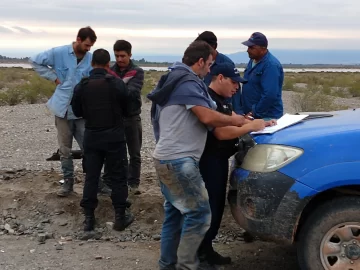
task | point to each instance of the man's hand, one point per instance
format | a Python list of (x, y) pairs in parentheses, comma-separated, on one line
[(271, 123), (257, 124), (249, 116), (57, 82), (237, 120)]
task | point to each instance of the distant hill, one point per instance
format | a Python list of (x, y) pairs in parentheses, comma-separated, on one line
[(306, 57), (286, 57)]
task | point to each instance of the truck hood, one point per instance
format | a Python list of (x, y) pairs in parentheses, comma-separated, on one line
[(300, 134)]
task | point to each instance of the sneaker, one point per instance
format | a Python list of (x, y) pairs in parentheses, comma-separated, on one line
[(67, 188)]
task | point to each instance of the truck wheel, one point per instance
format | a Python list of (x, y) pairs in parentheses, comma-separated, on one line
[(330, 237)]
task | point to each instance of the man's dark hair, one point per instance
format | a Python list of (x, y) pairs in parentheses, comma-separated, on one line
[(100, 57), (209, 37), (85, 33), (123, 45), (196, 51)]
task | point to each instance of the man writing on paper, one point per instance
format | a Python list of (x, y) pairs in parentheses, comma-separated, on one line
[(220, 146)]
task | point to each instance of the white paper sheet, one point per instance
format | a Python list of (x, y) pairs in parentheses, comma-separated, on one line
[(285, 121)]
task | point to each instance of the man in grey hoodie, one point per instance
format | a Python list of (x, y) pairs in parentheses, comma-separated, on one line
[(182, 113)]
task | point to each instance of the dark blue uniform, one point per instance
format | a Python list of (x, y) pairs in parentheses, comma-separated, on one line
[(214, 166)]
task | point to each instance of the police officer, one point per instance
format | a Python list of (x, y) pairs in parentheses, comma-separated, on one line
[(220, 146), (101, 100)]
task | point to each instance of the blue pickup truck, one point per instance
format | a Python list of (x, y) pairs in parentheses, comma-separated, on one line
[(301, 185)]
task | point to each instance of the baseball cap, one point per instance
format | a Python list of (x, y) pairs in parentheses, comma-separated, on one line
[(227, 70), (256, 38)]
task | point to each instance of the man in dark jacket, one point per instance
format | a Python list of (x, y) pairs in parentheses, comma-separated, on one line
[(102, 101), (220, 146), (133, 77), (219, 58)]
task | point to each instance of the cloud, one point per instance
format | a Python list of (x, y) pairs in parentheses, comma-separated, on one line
[(22, 30), (169, 25), (5, 30), (175, 14)]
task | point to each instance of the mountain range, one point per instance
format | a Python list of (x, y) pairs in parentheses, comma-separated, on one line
[(302, 57)]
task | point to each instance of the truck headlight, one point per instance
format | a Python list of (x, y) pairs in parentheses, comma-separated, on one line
[(269, 157)]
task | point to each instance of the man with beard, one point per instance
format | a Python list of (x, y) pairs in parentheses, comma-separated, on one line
[(66, 66), (133, 77), (261, 96), (181, 111)]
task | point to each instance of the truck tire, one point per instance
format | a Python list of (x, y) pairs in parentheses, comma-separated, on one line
[(330, 236)]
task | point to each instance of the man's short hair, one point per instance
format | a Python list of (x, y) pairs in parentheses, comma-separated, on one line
[(209, 37), (100, 57), (123, 45), (196, 51), (87, 32)]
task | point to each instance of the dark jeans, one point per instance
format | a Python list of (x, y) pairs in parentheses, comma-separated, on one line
[(214, 171), (99, 147), (133, 135)]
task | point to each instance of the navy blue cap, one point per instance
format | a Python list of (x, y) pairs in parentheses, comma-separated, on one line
[(256, 38), (228, 70)]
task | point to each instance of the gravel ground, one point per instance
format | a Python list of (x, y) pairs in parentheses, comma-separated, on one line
[(28, 135), (30, 211)]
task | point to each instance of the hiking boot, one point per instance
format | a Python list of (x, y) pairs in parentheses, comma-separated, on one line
[(89, 222), (206, 266), (103, 188), (122, 220), (213, 258), (66, 188), (134, 190)]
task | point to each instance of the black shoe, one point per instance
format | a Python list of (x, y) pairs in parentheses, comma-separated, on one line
[(89, 222), (66, 188), (214, 258), (122, 220)]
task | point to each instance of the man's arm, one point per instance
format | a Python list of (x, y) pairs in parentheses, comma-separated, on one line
[(123, 96), (76, 101), (231, 132), (270, 81), (213, 118), (41, 62), (135, 84)]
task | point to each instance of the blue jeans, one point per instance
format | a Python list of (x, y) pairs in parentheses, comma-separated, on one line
[(67, 130), (187, 212)]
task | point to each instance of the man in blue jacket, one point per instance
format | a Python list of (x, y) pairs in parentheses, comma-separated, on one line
[(66, 66), (218, 59), (261, 95)]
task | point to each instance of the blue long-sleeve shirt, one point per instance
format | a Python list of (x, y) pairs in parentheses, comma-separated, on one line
[(261, 95), (61, 63)]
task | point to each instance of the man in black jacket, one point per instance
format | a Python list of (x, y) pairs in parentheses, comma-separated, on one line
[(220, 146), (133, 76), (102, 101)]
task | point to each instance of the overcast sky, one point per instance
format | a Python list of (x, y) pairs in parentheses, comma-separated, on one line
[(168, 26)]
